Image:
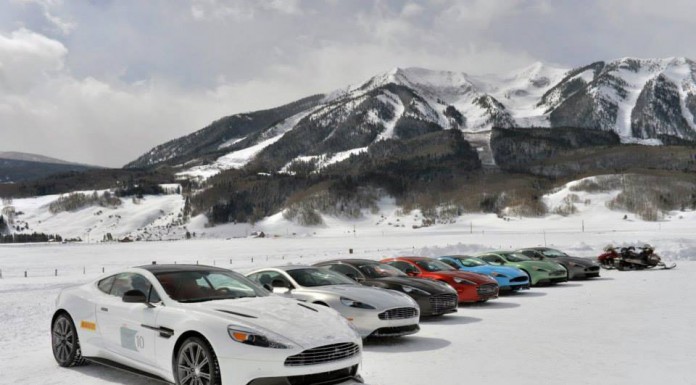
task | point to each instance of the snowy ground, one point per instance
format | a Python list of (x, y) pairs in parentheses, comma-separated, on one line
[(625, 328)]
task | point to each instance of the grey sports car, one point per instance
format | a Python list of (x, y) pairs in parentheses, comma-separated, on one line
[(577, 267), (375, 312)]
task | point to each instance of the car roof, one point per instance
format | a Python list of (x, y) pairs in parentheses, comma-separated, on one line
[(170, 268), (410, 258), (288, 267), (352, 261)]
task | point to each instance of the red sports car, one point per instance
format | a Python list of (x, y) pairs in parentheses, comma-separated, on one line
[(470, 287)]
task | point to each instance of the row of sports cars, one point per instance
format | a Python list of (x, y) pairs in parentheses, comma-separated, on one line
[(199, 325)]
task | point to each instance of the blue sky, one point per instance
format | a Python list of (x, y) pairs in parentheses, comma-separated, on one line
[(102, 81)]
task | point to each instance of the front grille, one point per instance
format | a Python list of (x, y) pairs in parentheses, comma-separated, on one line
[(593, 268), (395, 331), (487, 289), (324, 354), (558, 272), (442, 303), (519, 279), (399, 313)]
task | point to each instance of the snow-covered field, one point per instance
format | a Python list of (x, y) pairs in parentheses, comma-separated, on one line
[(625, 328)]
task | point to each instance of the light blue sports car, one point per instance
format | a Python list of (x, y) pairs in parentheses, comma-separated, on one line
[(509, 278)]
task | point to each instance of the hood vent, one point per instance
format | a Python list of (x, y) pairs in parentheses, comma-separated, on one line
[(237, 314)]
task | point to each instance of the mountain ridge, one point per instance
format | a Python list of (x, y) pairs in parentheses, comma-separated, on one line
[(646, 101)]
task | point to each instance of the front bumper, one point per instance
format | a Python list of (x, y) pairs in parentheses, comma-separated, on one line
[(342, 376), (580, 272), (513, 284), (478, 293), (438, 304), (235, 371), (369, 322), (545, 277)]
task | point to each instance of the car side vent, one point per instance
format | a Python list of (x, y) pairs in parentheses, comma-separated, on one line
[(237, 314)]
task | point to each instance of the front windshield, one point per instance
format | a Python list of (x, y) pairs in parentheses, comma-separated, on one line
[(380, 270), (318, 277), (471, 262), (516, 257), (551, 253), (201, 286), (433, 265)]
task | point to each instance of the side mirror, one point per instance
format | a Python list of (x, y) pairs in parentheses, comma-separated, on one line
[(412, 273), (136, 296), (280, 287)]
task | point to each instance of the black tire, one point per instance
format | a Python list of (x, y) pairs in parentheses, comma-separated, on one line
[(65, 342), (196, 364)]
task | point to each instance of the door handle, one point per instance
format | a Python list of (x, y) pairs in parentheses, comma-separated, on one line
[(104, 309)]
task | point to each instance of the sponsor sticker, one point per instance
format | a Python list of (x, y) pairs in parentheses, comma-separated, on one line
[(88, 325), (128, 339)]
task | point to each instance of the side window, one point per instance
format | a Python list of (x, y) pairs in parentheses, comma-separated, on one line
[(348, 271), (105, 284), (126, 282), (450, 263), (403, 266), (154, 297), (267, 277), (489, 258)]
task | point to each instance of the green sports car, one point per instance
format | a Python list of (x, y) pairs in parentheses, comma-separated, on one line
[(539, 272)]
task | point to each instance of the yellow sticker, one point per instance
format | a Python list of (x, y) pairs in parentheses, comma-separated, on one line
[(88, 325)]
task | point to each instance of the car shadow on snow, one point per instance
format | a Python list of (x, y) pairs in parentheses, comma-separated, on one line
[(404, 344), (495, 304), (564, 284), (450, 320), (115, 376), (524, 294)]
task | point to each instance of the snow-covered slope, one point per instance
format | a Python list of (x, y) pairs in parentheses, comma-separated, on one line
[(650, 101), (154, 217)]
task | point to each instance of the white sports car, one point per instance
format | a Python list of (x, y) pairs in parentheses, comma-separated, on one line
[(200, 325), (375, 312)]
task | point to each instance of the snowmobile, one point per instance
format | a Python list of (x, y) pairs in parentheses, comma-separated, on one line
[(627, 258)]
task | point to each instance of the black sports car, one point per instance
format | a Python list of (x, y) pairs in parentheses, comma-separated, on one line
[(577, 267), (434, 298)]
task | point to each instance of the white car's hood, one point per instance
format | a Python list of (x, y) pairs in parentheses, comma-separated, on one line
[(379, 298), (306, 325)]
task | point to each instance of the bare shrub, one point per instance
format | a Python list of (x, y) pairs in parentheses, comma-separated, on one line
[(78, 201), (600, 183), (567, 206)]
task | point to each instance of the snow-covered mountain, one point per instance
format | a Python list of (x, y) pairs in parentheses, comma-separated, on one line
[(649, 101)]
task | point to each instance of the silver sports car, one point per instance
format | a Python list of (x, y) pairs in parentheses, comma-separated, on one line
[(374, 312)]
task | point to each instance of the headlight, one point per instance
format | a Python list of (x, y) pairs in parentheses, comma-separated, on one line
[(253, 337), (414, 290), (496, 275), (463, 281), (540, 269), (356, 304)]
